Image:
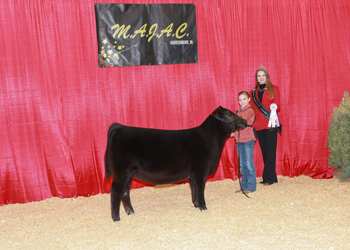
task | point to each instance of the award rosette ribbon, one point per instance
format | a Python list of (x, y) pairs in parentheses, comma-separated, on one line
[(273, 122)]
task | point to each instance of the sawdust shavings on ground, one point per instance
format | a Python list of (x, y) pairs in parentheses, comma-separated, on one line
[(295, 213)]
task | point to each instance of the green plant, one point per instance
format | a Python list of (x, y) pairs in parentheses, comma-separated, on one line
[(339, 137)]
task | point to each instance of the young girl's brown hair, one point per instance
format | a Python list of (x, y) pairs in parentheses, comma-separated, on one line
[(245, 93)]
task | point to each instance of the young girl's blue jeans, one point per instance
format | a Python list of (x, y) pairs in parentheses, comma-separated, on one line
[(245, 153)]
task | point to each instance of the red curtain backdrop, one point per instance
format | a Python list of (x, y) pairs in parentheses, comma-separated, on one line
[(57, 104)]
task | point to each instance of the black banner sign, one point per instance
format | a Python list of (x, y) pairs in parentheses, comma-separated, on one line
[(146, 34)]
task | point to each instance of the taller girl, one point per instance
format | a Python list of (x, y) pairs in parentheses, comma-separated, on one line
[(263, 95)]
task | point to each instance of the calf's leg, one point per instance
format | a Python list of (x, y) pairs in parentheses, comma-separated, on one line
[(116, 190), (197, 188), (193, 192), (200, 193), (126, 199)]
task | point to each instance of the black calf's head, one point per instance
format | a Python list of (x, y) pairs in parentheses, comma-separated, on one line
[(232, 120)]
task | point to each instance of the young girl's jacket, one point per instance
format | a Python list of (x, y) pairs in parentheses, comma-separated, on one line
[(246, 134)]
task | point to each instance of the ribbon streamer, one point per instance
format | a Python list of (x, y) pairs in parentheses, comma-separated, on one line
[(273, 122)]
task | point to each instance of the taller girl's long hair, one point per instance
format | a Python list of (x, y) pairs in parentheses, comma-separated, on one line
[(269, 85)]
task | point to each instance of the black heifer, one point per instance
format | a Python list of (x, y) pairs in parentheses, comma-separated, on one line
[(166, 156)]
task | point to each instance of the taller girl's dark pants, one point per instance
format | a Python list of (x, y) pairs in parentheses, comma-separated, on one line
[(268, 144)]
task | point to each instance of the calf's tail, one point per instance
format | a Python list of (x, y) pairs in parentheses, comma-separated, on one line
[(107, 169)]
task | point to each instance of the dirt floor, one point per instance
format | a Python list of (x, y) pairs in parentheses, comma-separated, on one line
[(295, 213)]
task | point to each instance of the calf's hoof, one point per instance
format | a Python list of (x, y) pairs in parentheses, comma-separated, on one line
[(202, 207), (115, 217), (130, 212)]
